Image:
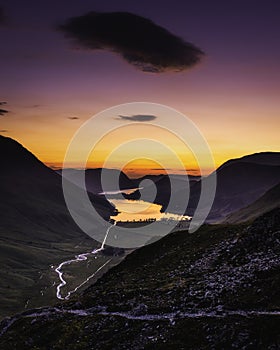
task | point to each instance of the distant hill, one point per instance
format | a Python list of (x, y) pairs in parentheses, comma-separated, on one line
[(270, 200), (163, 188), (161, 182), (36, 229), (94, 182), (240, 182)]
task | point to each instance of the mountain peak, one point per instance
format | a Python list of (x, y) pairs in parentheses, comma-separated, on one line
[(15, 156), (264, 158)]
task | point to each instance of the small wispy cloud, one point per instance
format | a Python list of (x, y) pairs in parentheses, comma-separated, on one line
[(3, 130), (33, 106), (2, 110), (137, 117), (73, 118), (161, 169)]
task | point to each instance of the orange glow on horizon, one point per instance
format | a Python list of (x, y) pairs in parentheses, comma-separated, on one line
[(133, 172), (233, 138)]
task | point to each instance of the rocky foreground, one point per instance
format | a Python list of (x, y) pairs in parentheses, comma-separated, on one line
[(217, 288)]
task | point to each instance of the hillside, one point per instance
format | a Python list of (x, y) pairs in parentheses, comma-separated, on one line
[(215, 289), (240, 182), (270, 200), (36, 229), (163, 188)]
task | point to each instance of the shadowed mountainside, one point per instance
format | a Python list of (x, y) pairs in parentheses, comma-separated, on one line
[(267, 202), (36, 229), (240, 182)]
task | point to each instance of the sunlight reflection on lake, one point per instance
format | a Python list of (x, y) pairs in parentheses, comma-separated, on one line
[(139, 210)]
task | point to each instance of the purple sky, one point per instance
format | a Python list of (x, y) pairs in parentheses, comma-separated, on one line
[(233, 92)]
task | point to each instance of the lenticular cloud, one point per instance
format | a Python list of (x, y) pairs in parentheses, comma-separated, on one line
[(138, 40)]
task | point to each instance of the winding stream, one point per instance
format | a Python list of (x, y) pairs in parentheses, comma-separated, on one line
[(80, 257)]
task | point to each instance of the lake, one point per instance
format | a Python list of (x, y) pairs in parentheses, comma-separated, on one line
[(139, 210)]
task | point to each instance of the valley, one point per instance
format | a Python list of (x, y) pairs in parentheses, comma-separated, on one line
[(145, 291)]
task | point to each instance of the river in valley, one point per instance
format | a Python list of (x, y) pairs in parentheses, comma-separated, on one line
[(138, 211)]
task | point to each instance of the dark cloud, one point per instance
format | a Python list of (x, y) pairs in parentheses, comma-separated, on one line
[(73, 118), (3, 111), (138, 40), (161, 169), (3, 130), (138, 117), (193, 170)]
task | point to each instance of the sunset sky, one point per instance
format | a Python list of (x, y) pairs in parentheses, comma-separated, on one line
[(52, 86)]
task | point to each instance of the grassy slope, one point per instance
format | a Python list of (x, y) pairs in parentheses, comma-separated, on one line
[(219, 268), (269, 201), (28, 249), (36, 229)]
